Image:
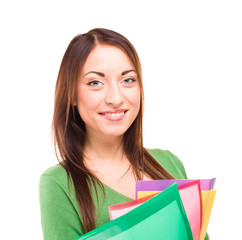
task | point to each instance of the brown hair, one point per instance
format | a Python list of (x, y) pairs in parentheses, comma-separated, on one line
[(69, 129)]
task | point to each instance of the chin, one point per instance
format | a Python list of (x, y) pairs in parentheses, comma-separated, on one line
[(115, 133)]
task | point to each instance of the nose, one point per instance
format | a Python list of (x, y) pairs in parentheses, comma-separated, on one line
[(114, 95)]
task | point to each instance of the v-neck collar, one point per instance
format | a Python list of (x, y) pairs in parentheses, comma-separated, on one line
[(113, 190), (118, 193)]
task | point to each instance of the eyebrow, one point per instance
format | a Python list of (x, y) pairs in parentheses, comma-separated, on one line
[(103, 75), (127, 71), (98, 73)]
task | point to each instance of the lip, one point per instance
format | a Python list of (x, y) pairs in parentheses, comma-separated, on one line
[(115, 111), (114, 118)]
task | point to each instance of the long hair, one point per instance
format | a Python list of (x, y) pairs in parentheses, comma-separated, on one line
[(69, 129)]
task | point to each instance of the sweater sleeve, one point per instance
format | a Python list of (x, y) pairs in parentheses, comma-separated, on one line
[(58, 216)]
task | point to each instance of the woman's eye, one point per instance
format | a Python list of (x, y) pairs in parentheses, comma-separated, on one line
[(129, 80), (94, 83)]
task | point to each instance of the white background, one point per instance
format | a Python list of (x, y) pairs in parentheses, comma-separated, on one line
[(191, 55)]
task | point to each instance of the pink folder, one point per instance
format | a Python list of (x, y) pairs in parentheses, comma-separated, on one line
[(118, 210)]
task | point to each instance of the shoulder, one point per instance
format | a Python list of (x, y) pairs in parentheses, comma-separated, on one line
[(56, 172), (54, 184), (55, 176), (169, 161)]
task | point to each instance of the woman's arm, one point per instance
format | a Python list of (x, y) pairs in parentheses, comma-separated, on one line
[(59, 218)]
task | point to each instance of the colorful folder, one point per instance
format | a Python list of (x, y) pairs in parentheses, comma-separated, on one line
[(160, 185), (145, 188), (190, 193), (161, 217)]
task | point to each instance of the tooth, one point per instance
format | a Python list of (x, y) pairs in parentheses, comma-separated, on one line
[(114, 114)]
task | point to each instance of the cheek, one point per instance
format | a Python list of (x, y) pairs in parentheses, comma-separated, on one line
[(134, 97), (86, 102)]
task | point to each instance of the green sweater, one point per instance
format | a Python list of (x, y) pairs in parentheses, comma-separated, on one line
[(60, 215)]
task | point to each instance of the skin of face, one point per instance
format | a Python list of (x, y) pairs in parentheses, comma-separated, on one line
[(108, 84)]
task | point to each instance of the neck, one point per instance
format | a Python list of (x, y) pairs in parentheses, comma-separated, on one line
[(105, 150)]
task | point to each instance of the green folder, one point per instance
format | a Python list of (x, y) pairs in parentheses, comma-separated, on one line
[(162, 217)]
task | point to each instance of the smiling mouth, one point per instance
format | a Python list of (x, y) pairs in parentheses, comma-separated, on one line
[(114, 114)]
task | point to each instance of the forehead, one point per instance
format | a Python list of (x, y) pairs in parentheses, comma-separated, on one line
[(107, 57)]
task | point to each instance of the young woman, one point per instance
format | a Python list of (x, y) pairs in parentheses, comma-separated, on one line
[(97, 129)]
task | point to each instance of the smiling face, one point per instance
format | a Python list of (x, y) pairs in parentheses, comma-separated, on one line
[(108, 92)]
